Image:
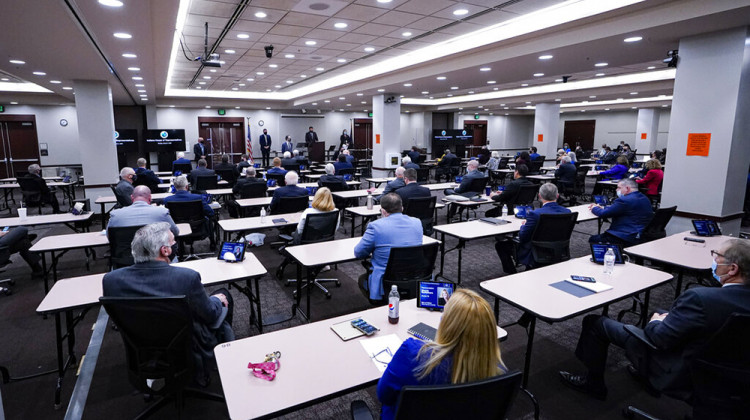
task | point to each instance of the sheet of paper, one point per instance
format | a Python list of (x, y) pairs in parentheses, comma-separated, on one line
[(381, 349), (594, 287)]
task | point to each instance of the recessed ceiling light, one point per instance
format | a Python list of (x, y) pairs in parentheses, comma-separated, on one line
[(592, 97), (290, 81), (633, 39), (432, 97), (213, 70), (369, 49), (134, 68), (485, 69), (449, 95), (260, 15), (122, 35), (111, 3), (528, 103), (545, 57), (268, 107), (360, 94), (198, 87), (650, 67), (381, 90), (234, 88), (273, 66), (538, 74), (40, 73), (583, 110), (143, 96), (441, 77), (241, 85), (341, 98), (144, 99), (558, 100), (129, 55), (348, 104), (407, 84), (599, 74), (471, 92), (268, 90), (289, 56), (236, 107), (277, 86), (606, 109), (201, 83), (314, 103), (364, 102), (341, 60), (524, 84), (260, 73), (243, 36), (171, 106), (340, 25), (206, 77), (229, 51), (495, 88), (425, 92), (310, 43), (384, 1), (139, 90), (57, 82), (208, 106), (601, 64), (454, 87), (633, 93), (17, 62), (67, 88), (407, 33), (327, 101), (139, 85), (250, 79), (137, 78), (558, 80), (460, 12), (303, 75), (634, 107)]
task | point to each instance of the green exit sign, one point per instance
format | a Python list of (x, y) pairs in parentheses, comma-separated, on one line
[(2, 108), (476, 116), (222, 111), (369, 114)]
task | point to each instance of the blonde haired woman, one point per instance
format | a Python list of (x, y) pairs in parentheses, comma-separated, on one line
[(465, 350), (322, 202)]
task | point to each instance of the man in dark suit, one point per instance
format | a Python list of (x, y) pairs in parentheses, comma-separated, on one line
[(609, 156), (630, 213), (46, 195), (310, 137), (146, 176), (301, 160), (331, 177), (408, 163), (504, 248), (566, 172), (287, 146), (472, 173), (249, 178), (342, 164), (397, 183), (414, 154), (288, 160), (201, 149), (182, 194), (289, 190), (124, 188), (243, 164), (200, 170), (412, 189), (265, 147), (678, 334), (508, 195), (19, 240), (153, 276), (181, 160), (444, 165), (226, 166)]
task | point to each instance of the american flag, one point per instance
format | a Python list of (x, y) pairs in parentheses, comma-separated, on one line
[(249, 143)]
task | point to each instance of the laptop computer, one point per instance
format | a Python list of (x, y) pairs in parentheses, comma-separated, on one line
[(598, 251), (706, 228)]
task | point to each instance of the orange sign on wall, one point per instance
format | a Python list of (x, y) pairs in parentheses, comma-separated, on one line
[(643, 136), (698, 144), (377, 138), (540, 137)]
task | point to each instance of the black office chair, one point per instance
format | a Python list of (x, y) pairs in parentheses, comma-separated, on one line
[(423, 208), (279, 178), (185, 168), (5, 260), (292, 167), (526, 196), (488, 399), (151, 184), (423, 175), (340, 203), (31, 193), (319, 227), (657, 228), (228, 175), (191, 212), (122, 201), (719, 372), (535, 166), (161, 351), (347, 171), (253, 190), (205, 182), (292, 204), (408, 265), (120, 239), (550, 242)]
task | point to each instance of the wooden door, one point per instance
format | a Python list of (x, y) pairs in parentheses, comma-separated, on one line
[(20, 146), (225, 135), (480, 131), (362, 136), (579, 133)]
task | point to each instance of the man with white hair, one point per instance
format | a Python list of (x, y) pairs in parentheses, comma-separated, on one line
[(566, 172), (407, 163), (397, 183), (182, 194), (330, 177), (289, 190), (472, 172), (630, 213), (494, 161), (349, 157), (300, 160), (288, 160), (181, 159), (47, 195), (249, 178), (153, 276), (124, 188), (145, 176)]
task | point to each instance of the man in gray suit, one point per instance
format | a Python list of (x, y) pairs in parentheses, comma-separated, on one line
[(153, 276), (124, 188), (141, 212)]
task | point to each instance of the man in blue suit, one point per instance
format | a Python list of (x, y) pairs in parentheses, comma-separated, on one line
[(566, 172), (146, 176), (153, 276), (412, 189), (504, 248), (182, 194), (464, 189), (342, 164), (287, 146), (200, 170), (407, 163), (414, 154), (393, 229), (396, 184), (678, 334), (349, 157), (289, 190), (265, 147), (181, 158), (630, 213)]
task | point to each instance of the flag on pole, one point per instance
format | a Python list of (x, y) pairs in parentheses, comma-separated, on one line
[(249, 143)]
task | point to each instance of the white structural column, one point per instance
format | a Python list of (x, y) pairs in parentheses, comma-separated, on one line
[(708, 149), (386, 133), (646, 131), (96, 128), (546, 129)]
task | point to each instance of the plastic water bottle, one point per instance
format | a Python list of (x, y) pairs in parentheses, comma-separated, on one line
[(609, 261), (505, 211), (262, 214), (393, 299), (369, 201)]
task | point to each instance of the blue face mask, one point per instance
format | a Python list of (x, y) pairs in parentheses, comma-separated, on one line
[(714, 265), (619, 193)]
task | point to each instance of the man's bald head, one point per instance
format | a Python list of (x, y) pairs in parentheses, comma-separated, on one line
[(141, 193)]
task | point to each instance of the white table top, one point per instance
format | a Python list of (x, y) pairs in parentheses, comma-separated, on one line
[(254, 223), (46, 219), (105, 199), (49, 184), (46, 178), (531, 290), (84, 240), (380, 180), (331, 252), (314, 185), (675, 250), (315, 362), (468, 203), (83, 291), (542, 177)]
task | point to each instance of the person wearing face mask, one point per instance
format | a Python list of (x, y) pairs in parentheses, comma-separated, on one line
[(152, 275), (678, 334), (141, 212), (630, 213), (346, 140)]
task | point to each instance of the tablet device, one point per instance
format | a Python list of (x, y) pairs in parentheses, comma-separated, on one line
[(434, 295), (598, 251), (235, 248), (601, 200), (706, 228), (66, 179)]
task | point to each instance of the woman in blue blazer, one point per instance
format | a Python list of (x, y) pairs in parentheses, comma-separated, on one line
[(619, 171)]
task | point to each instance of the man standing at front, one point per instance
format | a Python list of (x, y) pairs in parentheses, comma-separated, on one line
[(265, 147), (152, 249), (393, 229), (310, 137), (200, 149)]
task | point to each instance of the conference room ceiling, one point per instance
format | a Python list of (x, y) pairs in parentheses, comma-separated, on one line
[(74, 40)]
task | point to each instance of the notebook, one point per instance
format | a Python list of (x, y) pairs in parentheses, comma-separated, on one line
[(493, 221), (423, 332), (594, 287)]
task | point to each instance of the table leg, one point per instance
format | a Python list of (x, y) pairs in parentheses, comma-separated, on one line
[(678, 288), (353, 225), (644, 314), (257, 299), (308, 286), (102, 208), (527, 361), (46, 275), (60, 362), (442, 253), (497, 310), (460, 249)]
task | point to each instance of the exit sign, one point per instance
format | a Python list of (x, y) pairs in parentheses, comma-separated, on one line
[(222, 111), (369, 114), (476, 116), (2, 108)]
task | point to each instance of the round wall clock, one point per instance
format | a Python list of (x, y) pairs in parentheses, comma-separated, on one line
[(64, 122), (260, 123)]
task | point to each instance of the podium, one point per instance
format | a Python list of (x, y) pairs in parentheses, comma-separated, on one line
[(317, 151)]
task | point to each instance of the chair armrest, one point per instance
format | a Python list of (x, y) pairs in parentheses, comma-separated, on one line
[(640, 335), (360, 410), (287, 238)]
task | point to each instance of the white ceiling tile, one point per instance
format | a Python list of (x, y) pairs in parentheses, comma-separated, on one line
[(359, 12), (302, 19), (211, 8), (251, 26), (426, 7), (430, 23), (324, 34), (318, 7), (528, 6), (397, 18), (343, 46), (376, 29), (289, 30)]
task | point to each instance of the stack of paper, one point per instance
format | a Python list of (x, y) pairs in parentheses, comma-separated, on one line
[(594, 287)]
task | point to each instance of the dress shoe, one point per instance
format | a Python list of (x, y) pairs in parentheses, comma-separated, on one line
[(581, 384)]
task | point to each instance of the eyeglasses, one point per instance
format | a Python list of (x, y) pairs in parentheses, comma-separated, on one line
[(715, 253), (386, 351)]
